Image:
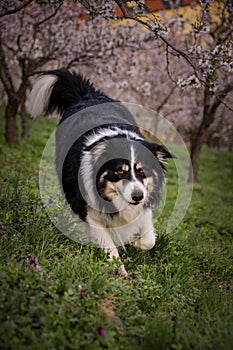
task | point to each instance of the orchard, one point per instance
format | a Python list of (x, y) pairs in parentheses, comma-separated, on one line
[(177, 62)]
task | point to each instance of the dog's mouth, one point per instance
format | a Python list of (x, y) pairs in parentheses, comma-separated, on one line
[(135, 203)]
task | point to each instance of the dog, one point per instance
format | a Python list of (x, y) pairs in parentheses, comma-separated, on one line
[(111, 176)]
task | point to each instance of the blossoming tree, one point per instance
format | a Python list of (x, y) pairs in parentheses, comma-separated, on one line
[(199, 60), (186, 63), (29, 39), (40, 35)]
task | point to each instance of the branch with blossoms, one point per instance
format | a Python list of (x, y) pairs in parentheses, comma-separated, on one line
[(204, 61), (152, 23)]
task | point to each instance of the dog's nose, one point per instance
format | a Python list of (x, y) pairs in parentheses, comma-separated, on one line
[(137, 196)]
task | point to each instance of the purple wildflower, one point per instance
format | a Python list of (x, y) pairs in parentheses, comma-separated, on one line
[(33, 261), (36, 262), (85, 293), (38, 268), (100, 331), (132, 276), (32, 207)]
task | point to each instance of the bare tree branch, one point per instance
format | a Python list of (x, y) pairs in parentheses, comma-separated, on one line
[(220, 96), (46, 19), (165, 100)]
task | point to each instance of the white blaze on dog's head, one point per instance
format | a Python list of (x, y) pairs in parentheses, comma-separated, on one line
[(134, 190)]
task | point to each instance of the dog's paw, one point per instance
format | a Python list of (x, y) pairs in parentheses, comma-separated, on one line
[(123, 271), (144, 243)]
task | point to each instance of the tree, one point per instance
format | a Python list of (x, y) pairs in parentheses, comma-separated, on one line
[(48, 34), (21, 53), (208, 52), (211, 55), (202, 51)]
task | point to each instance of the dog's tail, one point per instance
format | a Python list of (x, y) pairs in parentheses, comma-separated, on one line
[(56, 90)]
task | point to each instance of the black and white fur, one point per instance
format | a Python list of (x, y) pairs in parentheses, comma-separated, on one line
[(111, 176)]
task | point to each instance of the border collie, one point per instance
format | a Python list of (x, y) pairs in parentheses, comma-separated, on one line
[(111, 176)]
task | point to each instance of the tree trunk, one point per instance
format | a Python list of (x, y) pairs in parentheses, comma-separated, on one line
[(200, 136), (11, 129), (195, 151), (24, 119)]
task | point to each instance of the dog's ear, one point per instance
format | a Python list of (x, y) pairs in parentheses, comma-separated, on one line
[(160, 152)]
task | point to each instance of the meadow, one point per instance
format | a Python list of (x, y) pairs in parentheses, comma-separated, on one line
[(59, 295)]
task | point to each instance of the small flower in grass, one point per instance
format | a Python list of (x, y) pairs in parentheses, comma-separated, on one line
[(176, 320), (27, 261), (32, 207), (100, 331), (117, 272), (132, 276), (36, 262), (30, 260), (85, 293)]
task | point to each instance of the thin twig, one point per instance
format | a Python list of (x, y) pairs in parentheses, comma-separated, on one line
[(50, 16), (16, 9)]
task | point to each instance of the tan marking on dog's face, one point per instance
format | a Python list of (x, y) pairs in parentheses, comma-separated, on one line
[(145, 182), (149, 184), (103, 175), (138, 166), (110, 190), (125, 167)]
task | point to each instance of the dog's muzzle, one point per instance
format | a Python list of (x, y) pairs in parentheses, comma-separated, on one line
[(137, 196)]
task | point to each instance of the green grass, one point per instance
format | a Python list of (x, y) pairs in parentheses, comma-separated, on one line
[(178, 296)]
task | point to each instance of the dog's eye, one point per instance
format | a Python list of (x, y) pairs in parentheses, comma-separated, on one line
[(119, 171)]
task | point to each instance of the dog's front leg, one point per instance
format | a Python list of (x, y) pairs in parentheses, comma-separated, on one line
[(147, 237), (113, 254), (103, 238)]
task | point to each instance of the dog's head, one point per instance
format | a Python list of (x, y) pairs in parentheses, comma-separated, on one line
[(135, 175)]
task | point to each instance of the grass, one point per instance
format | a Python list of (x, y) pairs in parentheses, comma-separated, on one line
[(178, 296)]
